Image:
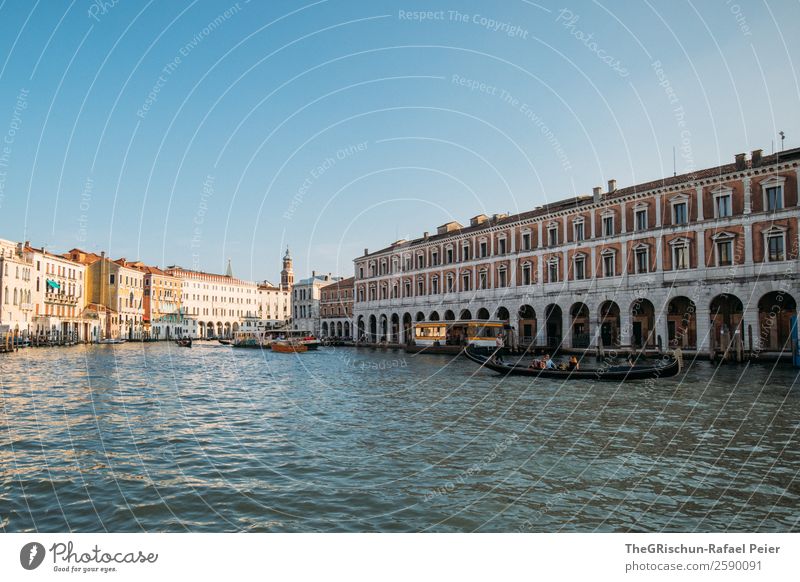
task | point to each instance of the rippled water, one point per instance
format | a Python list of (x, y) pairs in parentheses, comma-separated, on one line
[(158, 438)]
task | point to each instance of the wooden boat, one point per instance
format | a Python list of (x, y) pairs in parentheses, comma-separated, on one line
[(664, 369), (288, 347), (112, 341), (225, 342), (310, 342), (184, 342)]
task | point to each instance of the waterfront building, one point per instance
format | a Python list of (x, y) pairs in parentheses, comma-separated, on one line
[(59, 298), (163, 318), (16, 289), (336, 309), (305, 301), (117, 286), (702, 261), (274, 304), (217, 303)]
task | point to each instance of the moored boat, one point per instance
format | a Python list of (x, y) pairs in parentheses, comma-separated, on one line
[(288, 347), (225, 342), (665, 368), (112, 341), (184, 342)]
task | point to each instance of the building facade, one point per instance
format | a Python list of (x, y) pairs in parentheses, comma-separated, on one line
[(163, 318), (274, 304), (336, 309), (218, 303), (17, 278), (306, 302), (698, 261)]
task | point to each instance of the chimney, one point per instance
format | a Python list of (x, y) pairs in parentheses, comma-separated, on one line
[(596, 193), (313, 273), (102, 254), (740, 163), (425, 235), (612, 186), (755, 158), (366, 252)]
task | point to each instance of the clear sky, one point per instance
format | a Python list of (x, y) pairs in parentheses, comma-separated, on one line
[(190, 132)]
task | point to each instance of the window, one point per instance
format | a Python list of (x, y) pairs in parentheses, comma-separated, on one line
[(580, 268), (420, 287), (435, 286), (609, 264), (680, 213), (465, 254), (501, 246), (526, 274), (640, 219), (774, 196), (776, 242), (608, 225), (450, 285), (465, 282), (680, 256), (449, 255), (724, 253), (408, 263), (723, 206), (502, 279), (641, 257), (552, 235), (577, 230), (111, 279), (526, 241), (407, 289), (484, 249), (434, 258), (420, 261), (484, 279), (552, 271)]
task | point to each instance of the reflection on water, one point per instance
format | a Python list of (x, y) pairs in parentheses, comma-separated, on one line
[(158, 438)]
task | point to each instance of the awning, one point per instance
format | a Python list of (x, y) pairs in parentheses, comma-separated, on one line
[(53, 284)]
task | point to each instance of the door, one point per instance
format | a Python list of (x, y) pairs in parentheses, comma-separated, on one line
[(637, 333)]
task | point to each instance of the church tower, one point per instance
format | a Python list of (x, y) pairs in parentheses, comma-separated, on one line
[(287, 274)]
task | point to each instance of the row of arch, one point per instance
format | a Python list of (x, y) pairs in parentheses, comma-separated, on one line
[(217, 330), (676, 324), (337, 329)]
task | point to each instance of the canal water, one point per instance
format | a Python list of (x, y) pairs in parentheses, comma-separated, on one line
[(159, 438)]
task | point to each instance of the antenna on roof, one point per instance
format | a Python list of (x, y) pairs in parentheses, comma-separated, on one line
[(783, 137), (674, 171)]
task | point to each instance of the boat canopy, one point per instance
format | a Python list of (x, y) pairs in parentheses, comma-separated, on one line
[(53, 284)]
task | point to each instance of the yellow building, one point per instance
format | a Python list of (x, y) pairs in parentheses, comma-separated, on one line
[(162, 304)]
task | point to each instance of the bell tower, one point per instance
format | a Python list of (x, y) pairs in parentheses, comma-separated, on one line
[(287, 274)]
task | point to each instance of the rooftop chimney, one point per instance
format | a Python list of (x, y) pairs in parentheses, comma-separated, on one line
[(425, 235), (740, 163), (366, 252), (596, 193), (612, 185), (755, 158), (102, 254), (313, 273)]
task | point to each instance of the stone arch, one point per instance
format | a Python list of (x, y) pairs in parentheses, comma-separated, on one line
[(408, 333), (609, 319), (360, 328), (527, 325), (553, 325), (420, 316), (384, 328), (324, 329), (681, 323), (580, 322), (434, 316), (373, 329), (726, 318), (449, 315), (465, 314), (775, 311), (483, 313), (502, 314), (395, 331), (643, 323)]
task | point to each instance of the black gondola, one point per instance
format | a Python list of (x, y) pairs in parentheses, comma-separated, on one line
[(184, 342), (664, 369), (225, 342)]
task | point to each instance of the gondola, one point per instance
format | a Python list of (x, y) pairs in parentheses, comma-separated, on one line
[(665, 369), (225, 342), (184, 342)]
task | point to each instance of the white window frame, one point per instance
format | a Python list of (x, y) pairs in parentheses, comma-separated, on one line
[(579, 258), (676, 201), (483, 279), (466, 280), (483, 243), (723, 238), (552, 241), (773, 182), (580, 221), (606, 216), (465, 251), (609, 253), (681, 243), (527, 269), (774, 231), (451, 251), (722, 192), (502, 277), (526, 233), (636, 251), (553, 262), (641, 208), (435, 285)]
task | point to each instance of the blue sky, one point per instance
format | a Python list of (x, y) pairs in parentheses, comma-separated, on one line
[(190, 132)]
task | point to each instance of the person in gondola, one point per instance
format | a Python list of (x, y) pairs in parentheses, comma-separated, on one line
[(549, 364), (573, 363)]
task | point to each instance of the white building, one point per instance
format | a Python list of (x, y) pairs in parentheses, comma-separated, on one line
[(218, 303), (16, 289), (306, 302)]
